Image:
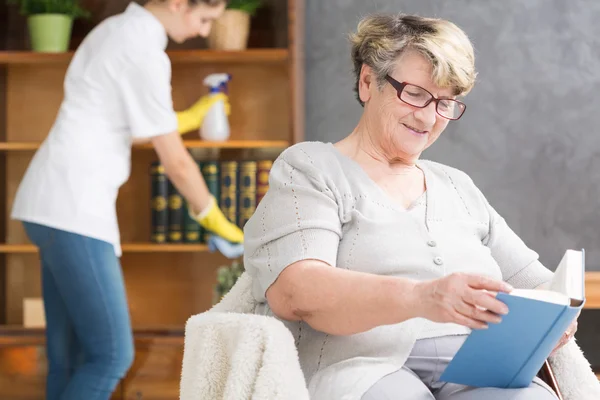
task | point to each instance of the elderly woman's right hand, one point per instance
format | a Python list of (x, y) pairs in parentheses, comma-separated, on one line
[(464, 299)]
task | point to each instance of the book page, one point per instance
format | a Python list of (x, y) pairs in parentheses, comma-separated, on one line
[(542, 295), (569, 277)]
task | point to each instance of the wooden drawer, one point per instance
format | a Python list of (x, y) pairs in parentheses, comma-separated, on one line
[(156, 371), (22, 372), (154, 375)]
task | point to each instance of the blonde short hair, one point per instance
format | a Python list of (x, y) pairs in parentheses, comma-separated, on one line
[(207, 2), (381, 38)]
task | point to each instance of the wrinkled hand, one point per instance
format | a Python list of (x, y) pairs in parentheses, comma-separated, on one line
[(568, 335), (464, 299)]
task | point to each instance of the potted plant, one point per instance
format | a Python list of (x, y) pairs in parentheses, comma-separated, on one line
[(50, 22), (231, 30), (227, 276)]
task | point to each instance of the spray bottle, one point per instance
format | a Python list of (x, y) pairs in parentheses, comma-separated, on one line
[(215, 125)]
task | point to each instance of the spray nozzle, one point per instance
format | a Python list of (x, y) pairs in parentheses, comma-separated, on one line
[(217, 82)]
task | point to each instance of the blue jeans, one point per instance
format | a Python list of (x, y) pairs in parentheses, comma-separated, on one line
[(88, 330)]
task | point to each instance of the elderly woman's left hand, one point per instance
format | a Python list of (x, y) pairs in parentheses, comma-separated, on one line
[(568, 335)]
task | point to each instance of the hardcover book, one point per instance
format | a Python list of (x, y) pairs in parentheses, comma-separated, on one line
[(176, 215), (262, 179), (210, 172), (229, 191), (510, 354), (247, 192), (159, 187)]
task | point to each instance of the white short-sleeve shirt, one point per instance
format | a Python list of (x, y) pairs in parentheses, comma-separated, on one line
[(117, 88)]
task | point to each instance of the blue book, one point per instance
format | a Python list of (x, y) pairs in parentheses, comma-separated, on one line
[(511, 353)]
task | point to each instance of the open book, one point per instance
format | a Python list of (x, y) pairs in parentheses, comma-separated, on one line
[(510, 354)]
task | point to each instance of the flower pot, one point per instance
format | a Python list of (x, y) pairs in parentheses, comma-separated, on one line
[(50, 33), (230, 31)]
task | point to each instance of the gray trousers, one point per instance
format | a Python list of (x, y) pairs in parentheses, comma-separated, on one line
[(418, 379)]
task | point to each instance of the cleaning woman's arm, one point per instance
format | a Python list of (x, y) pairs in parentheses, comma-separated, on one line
[(185, 175), (191, 118)]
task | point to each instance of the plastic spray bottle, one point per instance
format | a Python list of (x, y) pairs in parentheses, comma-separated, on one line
[(216, 123)]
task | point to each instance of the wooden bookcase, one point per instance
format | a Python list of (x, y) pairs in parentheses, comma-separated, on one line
[(166, 283)]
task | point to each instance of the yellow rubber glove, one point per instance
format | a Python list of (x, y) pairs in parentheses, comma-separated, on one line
[(212, 219), (191, 119)]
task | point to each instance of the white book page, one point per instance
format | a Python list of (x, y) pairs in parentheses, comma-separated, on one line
[(566, 285), (542, 295), (569, 275)]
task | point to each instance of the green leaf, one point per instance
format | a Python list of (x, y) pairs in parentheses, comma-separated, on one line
[(66, 7), (227, 276), (247, 6)]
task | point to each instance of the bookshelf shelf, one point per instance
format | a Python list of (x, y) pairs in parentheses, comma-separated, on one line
[(15, 335), (230, 144), (190, 144), (127, 248), (176, 56), (19, 146)]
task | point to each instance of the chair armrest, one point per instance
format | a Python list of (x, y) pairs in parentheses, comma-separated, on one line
[(233, 356), (547, 375)]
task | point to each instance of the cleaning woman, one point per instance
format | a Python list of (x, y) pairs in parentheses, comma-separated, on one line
[(117, 91)]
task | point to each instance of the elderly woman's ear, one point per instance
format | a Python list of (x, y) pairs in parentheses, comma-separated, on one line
[(366, 83)]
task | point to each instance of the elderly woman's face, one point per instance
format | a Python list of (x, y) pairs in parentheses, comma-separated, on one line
[(399, 129)]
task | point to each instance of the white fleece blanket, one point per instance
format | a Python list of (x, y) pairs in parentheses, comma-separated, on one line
[(574, 375), (230, 353)]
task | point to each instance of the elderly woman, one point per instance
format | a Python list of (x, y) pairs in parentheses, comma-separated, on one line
[(379, 263)]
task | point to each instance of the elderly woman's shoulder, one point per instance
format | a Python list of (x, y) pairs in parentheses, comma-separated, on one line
[(309, 155), (447, 173)]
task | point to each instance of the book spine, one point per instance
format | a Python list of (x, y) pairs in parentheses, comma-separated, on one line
[(175, 215), (262, 179), (539, 354), (229, 180), (159, 212), (210, 172), (247, 192), (192, 231)]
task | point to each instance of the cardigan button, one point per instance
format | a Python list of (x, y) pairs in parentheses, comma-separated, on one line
[(432, 243), (438, 260)]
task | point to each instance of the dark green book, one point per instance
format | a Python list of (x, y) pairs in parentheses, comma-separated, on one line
[(176, 215), (247, 192), (210, 172), (159, 212), (192, 231), (229, 182)]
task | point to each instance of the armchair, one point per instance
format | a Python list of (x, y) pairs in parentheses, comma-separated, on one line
[(230, 332)]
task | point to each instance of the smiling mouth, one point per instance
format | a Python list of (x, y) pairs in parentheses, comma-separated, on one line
[(415, 130)]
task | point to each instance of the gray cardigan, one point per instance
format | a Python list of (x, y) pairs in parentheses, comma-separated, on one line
[(322, 205)]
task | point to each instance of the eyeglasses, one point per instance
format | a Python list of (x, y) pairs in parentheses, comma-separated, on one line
[(416, 96)]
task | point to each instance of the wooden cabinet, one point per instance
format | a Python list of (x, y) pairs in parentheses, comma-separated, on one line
[(166, 283), (154, 374)]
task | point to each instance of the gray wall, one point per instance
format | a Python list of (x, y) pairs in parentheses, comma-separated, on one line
[(529, 139)]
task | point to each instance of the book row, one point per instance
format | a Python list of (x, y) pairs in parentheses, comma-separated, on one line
[(238, 187)]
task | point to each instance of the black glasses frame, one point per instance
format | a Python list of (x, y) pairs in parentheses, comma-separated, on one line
[(399, 86)]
